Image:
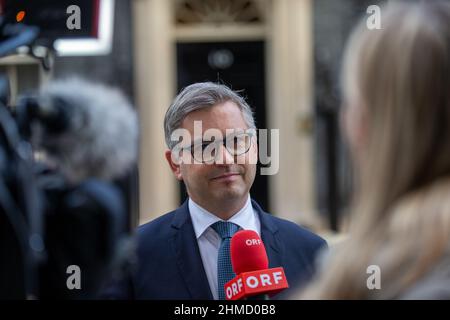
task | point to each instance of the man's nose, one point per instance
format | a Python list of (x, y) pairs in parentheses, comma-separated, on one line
[(224, 156)]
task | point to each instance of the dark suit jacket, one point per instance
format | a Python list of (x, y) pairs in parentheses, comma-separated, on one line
[(170, 266)]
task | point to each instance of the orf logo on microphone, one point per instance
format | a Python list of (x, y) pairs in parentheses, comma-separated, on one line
[(253, 242), (268, 281)]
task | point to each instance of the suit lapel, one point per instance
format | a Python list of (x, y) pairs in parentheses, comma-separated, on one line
[(269, 230), (188, 255)]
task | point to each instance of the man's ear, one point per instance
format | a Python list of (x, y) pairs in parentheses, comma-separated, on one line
[(174, 164)]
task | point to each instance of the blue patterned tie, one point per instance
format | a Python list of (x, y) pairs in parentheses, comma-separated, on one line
[(224, 268)]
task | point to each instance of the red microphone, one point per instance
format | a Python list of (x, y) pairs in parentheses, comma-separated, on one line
[(251, 265)]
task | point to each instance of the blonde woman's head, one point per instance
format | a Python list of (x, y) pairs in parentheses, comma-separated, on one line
[(396, 116), (397, 100)]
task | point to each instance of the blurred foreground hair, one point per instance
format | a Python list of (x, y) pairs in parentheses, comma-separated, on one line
[(400, 76)]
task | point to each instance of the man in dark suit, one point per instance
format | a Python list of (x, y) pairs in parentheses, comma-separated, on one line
[(212, 148)]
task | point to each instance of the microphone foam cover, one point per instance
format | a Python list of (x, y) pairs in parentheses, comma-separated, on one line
[(248, 252)]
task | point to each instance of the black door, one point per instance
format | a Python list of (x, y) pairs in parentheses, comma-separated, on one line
[(239, 65)]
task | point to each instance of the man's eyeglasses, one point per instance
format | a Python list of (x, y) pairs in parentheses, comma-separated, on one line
[(208, 151)]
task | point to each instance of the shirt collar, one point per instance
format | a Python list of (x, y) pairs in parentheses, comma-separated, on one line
[(202, 219)]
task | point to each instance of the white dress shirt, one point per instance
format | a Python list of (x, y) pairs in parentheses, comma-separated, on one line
[(209, 241)]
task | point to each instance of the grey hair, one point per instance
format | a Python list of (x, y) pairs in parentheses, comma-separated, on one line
[(199, 96)]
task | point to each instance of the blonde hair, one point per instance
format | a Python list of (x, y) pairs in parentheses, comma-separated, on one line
[(401, 213)]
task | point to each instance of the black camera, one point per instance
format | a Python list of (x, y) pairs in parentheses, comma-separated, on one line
[(59, 237)]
